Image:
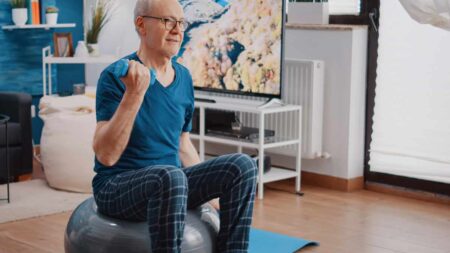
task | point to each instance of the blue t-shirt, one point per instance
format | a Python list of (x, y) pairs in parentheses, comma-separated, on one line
[(165, 113)]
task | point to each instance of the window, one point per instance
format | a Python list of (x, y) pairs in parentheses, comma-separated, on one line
[(344, 7), (410, 125)]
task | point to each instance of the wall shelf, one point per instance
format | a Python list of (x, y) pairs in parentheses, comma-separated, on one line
[(48, 60), (80, 60), (41, 26)]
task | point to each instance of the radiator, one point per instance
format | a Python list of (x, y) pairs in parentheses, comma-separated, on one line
[(303, 84)]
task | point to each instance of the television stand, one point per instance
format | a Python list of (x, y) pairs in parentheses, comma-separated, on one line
[(205, 100), (271, 102), (266, 140)]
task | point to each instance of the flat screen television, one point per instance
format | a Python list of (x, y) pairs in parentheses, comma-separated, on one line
[(234, 46)]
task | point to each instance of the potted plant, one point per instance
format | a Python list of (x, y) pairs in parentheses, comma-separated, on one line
[(19, 12), (51, 15), (100, 16), (308, 12)]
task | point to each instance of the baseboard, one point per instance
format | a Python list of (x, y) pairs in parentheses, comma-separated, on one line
[(25, 177), (334, 183), (408, 193), (328, 182)]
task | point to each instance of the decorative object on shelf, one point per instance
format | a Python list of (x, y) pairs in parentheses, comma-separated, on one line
[(81, 50), (93, 49), (63, 44), (79, 89), (100, 16), (308, 12), (51, 15), (267, 162), (19, 12), (35, 12)]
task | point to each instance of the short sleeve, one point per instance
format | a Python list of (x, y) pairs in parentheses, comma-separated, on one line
[(109, 95)]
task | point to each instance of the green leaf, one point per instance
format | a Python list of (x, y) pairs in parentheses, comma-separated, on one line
[(100, 17), (18, 4)]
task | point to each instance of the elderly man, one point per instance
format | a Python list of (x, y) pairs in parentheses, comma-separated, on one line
[(147, 168)]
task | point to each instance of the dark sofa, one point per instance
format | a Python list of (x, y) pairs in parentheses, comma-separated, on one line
[(18, 107)]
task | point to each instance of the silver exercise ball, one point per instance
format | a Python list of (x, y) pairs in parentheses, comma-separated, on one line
[(89, 231)]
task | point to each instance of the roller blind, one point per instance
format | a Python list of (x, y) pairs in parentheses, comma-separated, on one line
[(411, 122)]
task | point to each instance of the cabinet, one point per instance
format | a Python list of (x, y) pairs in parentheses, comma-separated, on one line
[(48, 59), (260, 144)]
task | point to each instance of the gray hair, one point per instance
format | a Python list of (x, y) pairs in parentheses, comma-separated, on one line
[(142, 7)]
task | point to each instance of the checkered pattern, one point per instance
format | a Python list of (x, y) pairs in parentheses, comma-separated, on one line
[(160, 195)]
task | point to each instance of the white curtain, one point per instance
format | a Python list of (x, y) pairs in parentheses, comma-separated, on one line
[(434, 12), (411, 129)]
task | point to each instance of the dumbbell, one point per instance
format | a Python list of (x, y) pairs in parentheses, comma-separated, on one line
[(121, 70)]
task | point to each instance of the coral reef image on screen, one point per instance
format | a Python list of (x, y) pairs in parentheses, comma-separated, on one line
[(234, 45)]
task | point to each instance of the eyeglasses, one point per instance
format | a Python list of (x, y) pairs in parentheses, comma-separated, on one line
[(170, 24)]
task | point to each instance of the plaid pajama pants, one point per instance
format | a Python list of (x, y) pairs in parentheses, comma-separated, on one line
[(160, 195)]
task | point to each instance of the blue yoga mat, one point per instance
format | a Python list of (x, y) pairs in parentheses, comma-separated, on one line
[(268, 242)]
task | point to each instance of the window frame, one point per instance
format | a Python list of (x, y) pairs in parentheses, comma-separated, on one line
[(353, 19)]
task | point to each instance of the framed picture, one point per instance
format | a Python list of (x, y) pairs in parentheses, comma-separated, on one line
[(63, 44)]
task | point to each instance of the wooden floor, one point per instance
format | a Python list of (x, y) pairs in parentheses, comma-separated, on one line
[(357, 222)]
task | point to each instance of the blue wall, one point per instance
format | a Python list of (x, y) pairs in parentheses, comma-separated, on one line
[(21, 54)]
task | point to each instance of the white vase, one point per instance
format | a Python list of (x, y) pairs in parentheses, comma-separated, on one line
[(81, 50), (308, 13), (94, 50), (51, 18), (19, 16)]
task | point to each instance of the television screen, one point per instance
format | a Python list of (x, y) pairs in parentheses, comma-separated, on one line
[(234, 46)]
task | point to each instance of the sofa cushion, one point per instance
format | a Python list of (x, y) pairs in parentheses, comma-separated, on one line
[(14, 135)]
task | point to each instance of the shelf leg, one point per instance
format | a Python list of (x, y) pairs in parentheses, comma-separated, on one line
[(49, 68), (298, 161), (261, 157), (44, 75), (201, 140)]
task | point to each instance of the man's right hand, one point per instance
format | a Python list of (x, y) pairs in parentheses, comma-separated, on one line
[(137, 79)]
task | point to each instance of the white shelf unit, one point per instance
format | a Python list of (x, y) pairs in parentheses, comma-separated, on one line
[(48, 59), (261, 144), (41, 26)]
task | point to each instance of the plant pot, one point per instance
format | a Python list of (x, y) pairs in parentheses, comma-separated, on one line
[(51, 18), (93, 49), (19, 16), (81, 50), (308, 13)]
